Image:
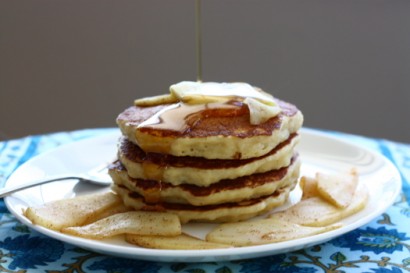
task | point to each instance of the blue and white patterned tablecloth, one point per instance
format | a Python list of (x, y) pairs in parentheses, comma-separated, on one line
[(382, 246)]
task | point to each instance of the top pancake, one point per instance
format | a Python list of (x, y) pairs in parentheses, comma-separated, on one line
[(212, 130)]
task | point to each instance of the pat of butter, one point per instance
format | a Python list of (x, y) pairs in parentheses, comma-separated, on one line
[(260, 112), (262, 106), (204, 92)]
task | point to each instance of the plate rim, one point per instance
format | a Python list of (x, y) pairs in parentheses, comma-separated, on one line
[(212, 254)]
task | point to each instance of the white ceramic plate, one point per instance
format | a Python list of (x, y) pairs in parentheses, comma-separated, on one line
[(319, 152)]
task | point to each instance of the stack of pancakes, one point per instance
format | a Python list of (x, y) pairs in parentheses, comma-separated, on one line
[(206, 162)]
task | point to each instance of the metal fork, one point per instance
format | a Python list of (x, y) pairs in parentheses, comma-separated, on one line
[(98, 175)]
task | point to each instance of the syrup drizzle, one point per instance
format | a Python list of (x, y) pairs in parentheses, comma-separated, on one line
[(198, 40), (181, 116)]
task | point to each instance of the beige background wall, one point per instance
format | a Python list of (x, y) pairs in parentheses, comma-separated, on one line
[(75, 64)]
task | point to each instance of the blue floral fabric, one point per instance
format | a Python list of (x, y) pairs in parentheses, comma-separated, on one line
[(382, 246)]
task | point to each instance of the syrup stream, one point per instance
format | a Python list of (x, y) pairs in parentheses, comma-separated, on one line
[(198, 40)]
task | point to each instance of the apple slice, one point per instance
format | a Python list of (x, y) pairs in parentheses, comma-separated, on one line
[(337, 189)]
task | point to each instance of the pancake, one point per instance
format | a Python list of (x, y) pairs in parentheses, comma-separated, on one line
[(208, 152), (228, 190), (212, 130), (196, 170), (226, 212)]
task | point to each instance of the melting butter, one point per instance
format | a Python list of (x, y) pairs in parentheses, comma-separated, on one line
[(186, 99), (262, 105), (205, 92)]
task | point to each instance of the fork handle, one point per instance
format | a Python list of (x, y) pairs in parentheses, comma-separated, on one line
[(9, 190)]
